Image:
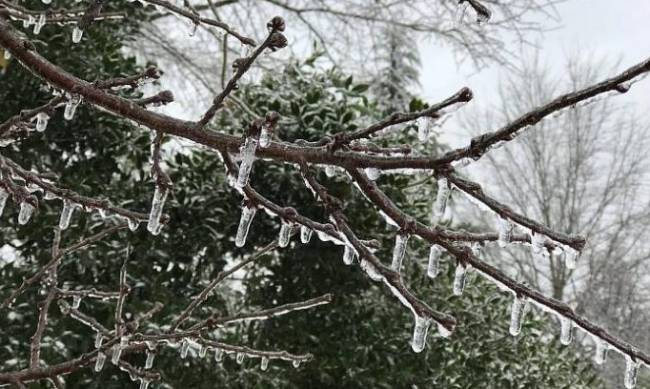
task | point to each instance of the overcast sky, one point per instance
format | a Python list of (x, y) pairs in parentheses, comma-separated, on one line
[(616, 29)]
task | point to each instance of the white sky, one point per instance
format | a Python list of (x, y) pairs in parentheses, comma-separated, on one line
[(618, 29)]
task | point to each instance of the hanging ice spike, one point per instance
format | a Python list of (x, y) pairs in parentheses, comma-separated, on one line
[(566, 330), (460, 277), (420, 331), (441, 200), (434, 261), (349, 254), (401, 240), (305, 234), (505, 231), (26, 212), (631, 372), (159, 197), (517, 314), (66, 214), (247, 215), (285, 234), (247, 153)]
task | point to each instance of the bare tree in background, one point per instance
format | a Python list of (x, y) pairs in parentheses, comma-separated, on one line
[(346, 152), (583, 171)]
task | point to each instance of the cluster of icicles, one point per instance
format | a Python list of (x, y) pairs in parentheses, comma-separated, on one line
[(41, 20)]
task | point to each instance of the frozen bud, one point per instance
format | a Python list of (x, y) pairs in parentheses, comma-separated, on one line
[(277, 41), (276, 24)]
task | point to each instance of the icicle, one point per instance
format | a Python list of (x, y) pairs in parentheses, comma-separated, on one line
[(76, 302), (537, 244), (247, 153), (66, 215), (459, 279), (77, 33), (443, 332), (517, 314), (424, 128), (285, 234), (46, 1), (441, 200), (264, 365), (218, 354), (4, 195), (144, 383), (566, 330), (330, 171), (305, 234), (420, 333), (41, 121), (116, 353), (373, 173), (26, 211), (434, 261), (240, 358), (29, 21), (601, 351), (98, 340), (39, 24), (570, 258), (247, 215), (401, 241), (631, 371), (149, 362), (159, 197), (349, 254), (71, 107), (505, 231), (185, 347), (296, 363), (99, 362), (202, 351), (265, 136)]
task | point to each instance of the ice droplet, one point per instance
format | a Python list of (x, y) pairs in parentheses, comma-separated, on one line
[(285, 234), (330, 171), (203, 351), (420, 333), (305, 234), (218, 354), (77, 33), (76, 302), (399, 250), (373, 173), (240, 358), (7, 54), (247, 153), (566, 330), (516, 315), (46, 1), (41, 121), (264, 365), (99, 361), (247, 215), (71, 107), (66, 215), (441, 200), (149, 362), (296, 363), (601, 351), (460, 276), (39, 24), (434, 261), (26, 211), (349, 254), (159, 197), (98, 340), (133, 224), (185, 347)]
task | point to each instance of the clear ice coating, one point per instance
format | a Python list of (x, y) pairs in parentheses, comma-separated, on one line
[(601, 351), (265, 136), (41, 121), (159, 197), (504, 227), (570, 257), (305, 234), (26, 211), (218, 354), (566, 330), (240, 358), (373, 173), (71, 107), (420, 331), (264, 365), (631, 371), (66, 214), (247, 215), (349, 254), (399, 250), (185, 347), (247, 153), (434, 261), (39, 24), (441, 200), (99, 361), (285, 234), (459, 279), (443, 332), (4, 195), (98, 340), (150, 357), (77, 33), (517, 314)]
